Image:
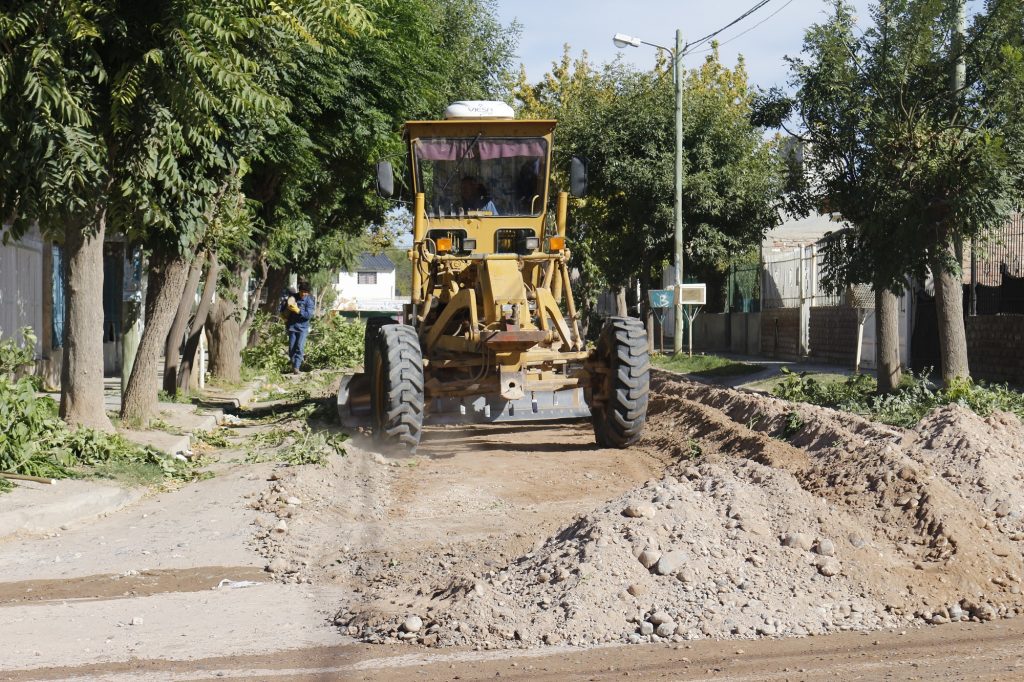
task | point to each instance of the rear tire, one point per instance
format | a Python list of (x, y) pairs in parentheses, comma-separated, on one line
[(619, 404), (396, 387)]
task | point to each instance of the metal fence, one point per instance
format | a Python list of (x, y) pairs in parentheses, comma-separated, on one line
[(994, 273), (792, 277)]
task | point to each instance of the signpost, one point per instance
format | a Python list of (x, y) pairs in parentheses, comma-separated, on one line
[(693, 297), (660, 300)]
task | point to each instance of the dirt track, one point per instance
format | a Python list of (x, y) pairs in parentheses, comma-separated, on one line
[(375, 539)]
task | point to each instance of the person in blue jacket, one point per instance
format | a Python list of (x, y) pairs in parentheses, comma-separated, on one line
[(298, 311)]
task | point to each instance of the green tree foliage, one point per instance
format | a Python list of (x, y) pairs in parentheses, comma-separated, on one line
[(127, 113), (313, 177), (621, 121), (915, 168)]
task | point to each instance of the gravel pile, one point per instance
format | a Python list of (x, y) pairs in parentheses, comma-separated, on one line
[(778, 520)]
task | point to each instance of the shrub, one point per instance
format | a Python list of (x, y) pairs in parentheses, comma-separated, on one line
[(333, 343), (905, 406), (35, 442), (15, 358)]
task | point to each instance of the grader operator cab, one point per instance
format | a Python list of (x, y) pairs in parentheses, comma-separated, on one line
[(492, 332)]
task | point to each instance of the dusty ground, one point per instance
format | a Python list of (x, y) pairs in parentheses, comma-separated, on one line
[(461, 533)]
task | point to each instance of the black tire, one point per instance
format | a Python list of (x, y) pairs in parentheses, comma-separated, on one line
[(396, 388), (619, 406), (370, 332)]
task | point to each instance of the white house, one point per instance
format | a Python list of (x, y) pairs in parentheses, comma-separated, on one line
[(369, 288)]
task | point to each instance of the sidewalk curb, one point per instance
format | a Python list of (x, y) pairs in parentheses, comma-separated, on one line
[(40, 508)]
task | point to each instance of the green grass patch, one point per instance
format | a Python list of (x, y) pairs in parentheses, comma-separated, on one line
[(771, 383), (705, 365), (180, 397), (131, 473)]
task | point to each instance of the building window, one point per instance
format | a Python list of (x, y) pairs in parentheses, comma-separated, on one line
[(366, 278)]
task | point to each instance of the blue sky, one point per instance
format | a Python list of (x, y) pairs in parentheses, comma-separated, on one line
[(590, 24)]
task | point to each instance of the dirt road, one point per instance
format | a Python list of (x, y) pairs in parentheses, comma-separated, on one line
[(493, 536)]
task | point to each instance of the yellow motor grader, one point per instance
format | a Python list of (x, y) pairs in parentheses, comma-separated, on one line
[(492, 332)]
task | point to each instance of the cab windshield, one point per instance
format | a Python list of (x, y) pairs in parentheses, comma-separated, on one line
[(482, 176)]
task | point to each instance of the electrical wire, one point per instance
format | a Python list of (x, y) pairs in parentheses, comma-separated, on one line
[(704, 39), (743, 33)]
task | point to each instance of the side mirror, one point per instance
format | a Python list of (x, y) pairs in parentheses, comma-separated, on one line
[(385, 179), (578, 177)]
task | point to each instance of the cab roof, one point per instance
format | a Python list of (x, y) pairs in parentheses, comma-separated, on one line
[(472, 126)]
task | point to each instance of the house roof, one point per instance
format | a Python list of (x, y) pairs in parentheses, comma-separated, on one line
[(369, 262), (801, 231)]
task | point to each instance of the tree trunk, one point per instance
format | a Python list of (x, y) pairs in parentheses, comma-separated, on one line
[(621, 309), (254, 302), (167, 275), (887, 321), (225, 341), (81, 395), (277, 280), (172, 346), (226, 321), (188, 357), (949, 307)]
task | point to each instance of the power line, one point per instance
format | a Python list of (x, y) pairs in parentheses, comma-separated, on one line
[(732, 23), (743, 33)]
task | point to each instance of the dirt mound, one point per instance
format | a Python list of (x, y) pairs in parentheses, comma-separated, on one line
[(776, 519)]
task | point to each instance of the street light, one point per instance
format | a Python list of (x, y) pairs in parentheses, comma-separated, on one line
[(622, 40)]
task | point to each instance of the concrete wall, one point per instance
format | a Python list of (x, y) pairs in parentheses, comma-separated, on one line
[(780, 333), (745, 338), (710, 332), (993, 346)]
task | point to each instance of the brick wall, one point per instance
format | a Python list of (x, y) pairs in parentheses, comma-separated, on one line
[(780, 333), (833, 335), (995, 347)]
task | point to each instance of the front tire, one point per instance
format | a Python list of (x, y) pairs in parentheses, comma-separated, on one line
[(396, 387), (620, 394)]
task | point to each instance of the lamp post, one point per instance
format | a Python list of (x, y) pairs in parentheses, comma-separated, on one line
[(621, 40)]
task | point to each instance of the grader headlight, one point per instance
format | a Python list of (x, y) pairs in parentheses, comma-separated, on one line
[(443, 244)]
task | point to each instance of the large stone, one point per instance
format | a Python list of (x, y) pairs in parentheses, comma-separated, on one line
[(412, 624), (638, 511), (649, 557), (797, 541), (659, 617), (636, 590), (670, 562), (829, 566), (825, 547)]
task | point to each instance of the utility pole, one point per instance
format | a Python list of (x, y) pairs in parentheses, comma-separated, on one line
[(958, 82), (622, 40), (677, 72)]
